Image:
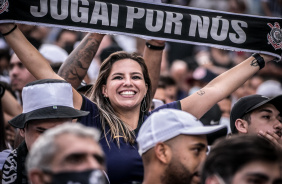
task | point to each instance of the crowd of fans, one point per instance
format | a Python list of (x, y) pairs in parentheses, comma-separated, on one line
[(185, 98)]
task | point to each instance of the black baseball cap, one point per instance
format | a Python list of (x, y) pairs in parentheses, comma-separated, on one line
[(212, 117), (248, 103)]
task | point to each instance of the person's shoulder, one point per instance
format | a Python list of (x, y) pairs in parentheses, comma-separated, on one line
[(93, 118), (3, 156), (5, 152), (87, 104), (172, 105)]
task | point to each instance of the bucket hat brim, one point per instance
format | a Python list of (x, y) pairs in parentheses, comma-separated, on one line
[(52, 112)]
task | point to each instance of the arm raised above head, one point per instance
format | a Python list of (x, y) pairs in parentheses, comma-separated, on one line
[(37, 65), (223, 85), (153, 59), (74, 69)]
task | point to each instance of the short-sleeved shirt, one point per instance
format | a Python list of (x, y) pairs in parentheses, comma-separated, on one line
[(124, 164)]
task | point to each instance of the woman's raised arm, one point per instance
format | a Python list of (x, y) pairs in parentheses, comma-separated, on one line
[(75, 67), (153, 59), (223, 85), (37, 65)]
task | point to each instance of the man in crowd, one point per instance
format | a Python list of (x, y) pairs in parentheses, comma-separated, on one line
[(173, 144), (257, 114), (18, 73), (46, 103), (82, 162), (244, 159)]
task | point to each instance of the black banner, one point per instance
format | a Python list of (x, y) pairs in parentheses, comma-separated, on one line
[(152, 21)]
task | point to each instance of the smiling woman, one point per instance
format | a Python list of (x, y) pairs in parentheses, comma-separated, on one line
[(120, 109), (119, 102), (125, 85), (121, 97)]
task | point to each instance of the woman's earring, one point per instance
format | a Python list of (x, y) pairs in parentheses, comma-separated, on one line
[(143, 105), (106, 98)]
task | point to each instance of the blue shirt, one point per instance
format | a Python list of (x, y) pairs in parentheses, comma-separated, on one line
[(124, 164)]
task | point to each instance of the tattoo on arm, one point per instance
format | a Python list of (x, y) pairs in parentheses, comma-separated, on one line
[(254, 62), (201, 92), (75, 73), (75, 67)]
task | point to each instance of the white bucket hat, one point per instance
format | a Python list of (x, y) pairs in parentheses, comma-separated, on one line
[(46, 99)]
